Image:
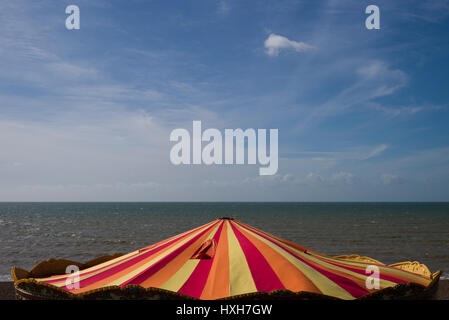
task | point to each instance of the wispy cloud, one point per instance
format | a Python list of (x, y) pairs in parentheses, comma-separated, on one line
[(397, 111), (336, 178), (353, 153), (375, 152), (309, 179), (224, 7), (369, 81)]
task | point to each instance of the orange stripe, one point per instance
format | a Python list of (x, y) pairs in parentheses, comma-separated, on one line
[(358, 281), (160, 277), (217, 284), (384, 270), (177, 236), (105, 281), (292, 278), (84, 274)]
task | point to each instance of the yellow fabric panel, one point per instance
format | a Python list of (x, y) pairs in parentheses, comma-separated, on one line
[(240, 278), (180, 277), (82, 277), (387, 270), (383, 283), (290, 276), (153, 261), (118, 260), (111, 262), (325, 285)]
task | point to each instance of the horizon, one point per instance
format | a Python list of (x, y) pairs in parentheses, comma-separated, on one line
[(255, 202)]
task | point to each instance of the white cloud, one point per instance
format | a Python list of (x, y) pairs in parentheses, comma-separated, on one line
[(111, 146), (406, 110), (388, 179), (223, 7), (275, 43), (311, 178), (342, 177), (337, 178), (272, 180), (378, 150), (381, 79), (372, 80), (334, 157), (373, 69)]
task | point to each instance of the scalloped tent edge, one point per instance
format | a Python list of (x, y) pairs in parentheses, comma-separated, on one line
[(25, 285)]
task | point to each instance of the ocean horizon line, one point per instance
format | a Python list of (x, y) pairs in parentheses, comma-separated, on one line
[(230, 201)]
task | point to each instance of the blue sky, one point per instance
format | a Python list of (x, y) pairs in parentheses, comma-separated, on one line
[(85, 115)]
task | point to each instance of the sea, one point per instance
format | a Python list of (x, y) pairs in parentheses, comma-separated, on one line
[(388, 232)]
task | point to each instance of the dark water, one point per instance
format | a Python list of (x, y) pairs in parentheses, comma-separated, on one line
[(389, 232)]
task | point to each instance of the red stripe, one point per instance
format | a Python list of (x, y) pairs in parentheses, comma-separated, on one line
[(347, 284), (194, 285), (129, 263), (138, 279), (382, 275), (350, 286), (138, 258), (264, 277), (82, 273)]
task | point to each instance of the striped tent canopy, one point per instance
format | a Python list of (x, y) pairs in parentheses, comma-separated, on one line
[(226, 258)]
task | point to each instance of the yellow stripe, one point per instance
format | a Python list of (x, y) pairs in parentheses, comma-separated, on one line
[(240, 278), (180, 277), (383, 268), (64, 276), (325, 285), (152, 261), (314, 260), (113, 263), (309, 257), (383, 283)]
